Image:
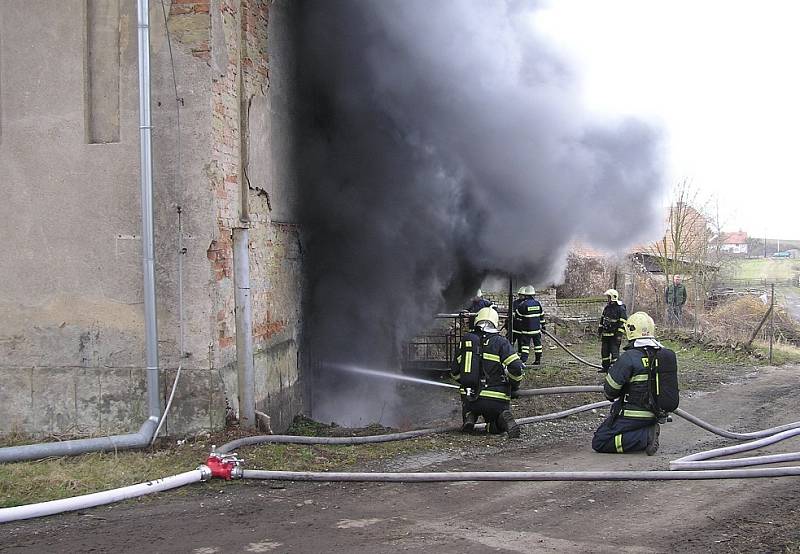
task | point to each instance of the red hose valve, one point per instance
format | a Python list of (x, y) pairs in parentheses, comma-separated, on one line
[(224, 466)]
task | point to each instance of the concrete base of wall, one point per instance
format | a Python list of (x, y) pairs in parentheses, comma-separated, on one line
[(279, 393), (80, 402)]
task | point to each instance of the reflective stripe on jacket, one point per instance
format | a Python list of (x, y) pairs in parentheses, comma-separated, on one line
[(613, 319), (628, 380), (500, 366), (528, 317)]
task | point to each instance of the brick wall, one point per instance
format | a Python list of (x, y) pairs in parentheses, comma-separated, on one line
[(240, 37)]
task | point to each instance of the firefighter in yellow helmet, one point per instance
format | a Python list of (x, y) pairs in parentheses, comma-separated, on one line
[(643, 385), (611, 329), (489, 373)]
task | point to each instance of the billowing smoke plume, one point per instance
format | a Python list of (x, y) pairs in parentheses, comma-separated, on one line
[(441, 142)]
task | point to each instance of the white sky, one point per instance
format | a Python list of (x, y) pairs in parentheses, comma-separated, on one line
[(722, 78)]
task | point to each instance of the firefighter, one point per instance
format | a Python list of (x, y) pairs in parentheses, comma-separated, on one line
[(633, 424), (488, 372), (478, 302), (611, 329), (528, 324)]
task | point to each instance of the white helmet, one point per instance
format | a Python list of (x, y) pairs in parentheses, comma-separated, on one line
[(527, 290), (613, 294), (479, 294)]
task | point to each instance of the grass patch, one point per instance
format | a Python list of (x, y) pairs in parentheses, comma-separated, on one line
[(55, 478), (770, 269), (782, 353), (693, 354)]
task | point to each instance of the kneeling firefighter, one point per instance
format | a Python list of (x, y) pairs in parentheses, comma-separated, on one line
[(489, 372), (643, 384)]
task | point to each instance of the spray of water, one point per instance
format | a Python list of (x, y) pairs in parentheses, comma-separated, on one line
[(386, 375)]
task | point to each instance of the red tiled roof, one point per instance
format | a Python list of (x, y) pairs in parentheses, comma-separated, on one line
[(739, 237)]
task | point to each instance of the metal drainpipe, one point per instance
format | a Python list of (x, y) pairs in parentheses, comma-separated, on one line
[(148, 234), (244, 327), (142, 438), (241, 258)]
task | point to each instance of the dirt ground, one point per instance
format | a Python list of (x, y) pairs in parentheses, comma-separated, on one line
[(759, 515)]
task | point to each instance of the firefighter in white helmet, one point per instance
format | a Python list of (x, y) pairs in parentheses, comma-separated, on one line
[(489, 373), (643, 385), (528, 324), (611, 329), (479, 301)]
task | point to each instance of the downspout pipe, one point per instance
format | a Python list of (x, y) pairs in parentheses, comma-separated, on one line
[(142, 438), (148, 234), (243, 315), (244, 327)]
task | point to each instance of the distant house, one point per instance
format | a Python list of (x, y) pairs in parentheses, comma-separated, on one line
[(734, 243)]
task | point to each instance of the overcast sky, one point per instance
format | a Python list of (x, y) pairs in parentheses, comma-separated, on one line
[(721, 77)]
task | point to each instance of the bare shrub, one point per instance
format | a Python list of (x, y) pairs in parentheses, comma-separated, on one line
[(735, 321)]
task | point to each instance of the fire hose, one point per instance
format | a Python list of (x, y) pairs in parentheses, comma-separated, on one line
[(570, 352), (224, 464)]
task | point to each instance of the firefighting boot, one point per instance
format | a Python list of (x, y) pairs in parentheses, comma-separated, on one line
[(538, 359), (511, 426), (469, 422), (652, 439)]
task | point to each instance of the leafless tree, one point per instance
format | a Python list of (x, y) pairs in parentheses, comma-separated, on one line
[(686, 247)]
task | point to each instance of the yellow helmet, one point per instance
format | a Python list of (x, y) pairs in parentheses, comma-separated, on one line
[(613, 294), (527, 290), (487, 320), (640, 326)]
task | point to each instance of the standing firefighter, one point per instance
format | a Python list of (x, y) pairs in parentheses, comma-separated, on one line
[(489, 372), (643, 384), (528, 324), (478, 303), (611, 329)]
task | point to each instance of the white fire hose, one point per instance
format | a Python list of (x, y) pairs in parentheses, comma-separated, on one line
[(223, 464)]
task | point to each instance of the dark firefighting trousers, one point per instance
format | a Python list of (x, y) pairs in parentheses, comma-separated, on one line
[(609, 350), (523, 343), (490, 409), (617, 435)]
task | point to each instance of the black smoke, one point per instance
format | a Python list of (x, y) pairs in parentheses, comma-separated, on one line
[(441, 142)]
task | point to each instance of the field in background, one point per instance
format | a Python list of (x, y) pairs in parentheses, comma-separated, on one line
[(771, 269)]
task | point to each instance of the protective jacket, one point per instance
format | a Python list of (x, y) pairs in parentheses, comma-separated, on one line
[(612, 322), (487, 364), (528, 317), (627, 382), (675, 295), (480, 303)]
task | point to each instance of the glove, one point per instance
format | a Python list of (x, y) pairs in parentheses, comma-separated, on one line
[(600, 331), (514, 393)]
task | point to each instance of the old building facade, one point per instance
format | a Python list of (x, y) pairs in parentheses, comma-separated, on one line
[(71, 315)]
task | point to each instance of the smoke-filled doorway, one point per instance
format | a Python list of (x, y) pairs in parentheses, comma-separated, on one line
[(439, 143)]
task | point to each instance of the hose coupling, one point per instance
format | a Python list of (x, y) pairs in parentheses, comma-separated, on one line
[(223, 466)]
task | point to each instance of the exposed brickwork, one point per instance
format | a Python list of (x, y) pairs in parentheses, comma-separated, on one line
[(274, 251), (190, 24), (238, 39)]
